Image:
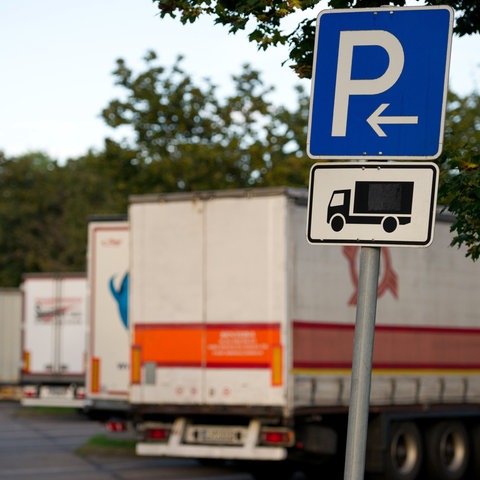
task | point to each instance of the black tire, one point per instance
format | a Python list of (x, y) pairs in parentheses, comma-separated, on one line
[(448, 451), (390, 224), (337, 223), (404, 457), (211, 462), (475, 454), (282, 470)]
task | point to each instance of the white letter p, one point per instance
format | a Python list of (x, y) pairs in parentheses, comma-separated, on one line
[(345, 86)]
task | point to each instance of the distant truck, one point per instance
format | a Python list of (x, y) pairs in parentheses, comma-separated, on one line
[(10, 336), (108, 359), (374, 203), (242, 340), (54, 339)]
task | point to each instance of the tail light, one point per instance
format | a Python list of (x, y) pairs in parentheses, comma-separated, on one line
[(277, 436), (116, 426), (30, 392), (26, 361), (136, 365), (80, 393), (157, 434), (277, 360), (95, 375)]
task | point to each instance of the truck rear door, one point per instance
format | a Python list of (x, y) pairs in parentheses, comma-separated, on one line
[(208, 301)]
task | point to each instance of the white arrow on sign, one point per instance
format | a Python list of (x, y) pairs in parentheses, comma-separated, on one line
[(375, 119)]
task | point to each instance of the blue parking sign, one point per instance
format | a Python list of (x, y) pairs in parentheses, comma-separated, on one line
[(380, 82)]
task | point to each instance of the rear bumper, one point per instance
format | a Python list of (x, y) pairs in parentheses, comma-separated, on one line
[(68, 396), (52, 402), (204, 451), (175, 447)]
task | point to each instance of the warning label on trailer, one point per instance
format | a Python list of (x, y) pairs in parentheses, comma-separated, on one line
[(233, 343)]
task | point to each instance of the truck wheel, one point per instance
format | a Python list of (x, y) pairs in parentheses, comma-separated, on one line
[(282, 470), (337, 223), (475, 436), (405, 452), (447, 451), (390, 224)]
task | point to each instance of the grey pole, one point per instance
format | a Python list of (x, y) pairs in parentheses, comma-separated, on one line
[(362, 363)]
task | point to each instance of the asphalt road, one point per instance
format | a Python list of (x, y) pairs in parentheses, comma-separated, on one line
[(42, 447)]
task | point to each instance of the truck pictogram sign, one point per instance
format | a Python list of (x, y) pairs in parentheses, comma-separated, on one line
[(372, 203)]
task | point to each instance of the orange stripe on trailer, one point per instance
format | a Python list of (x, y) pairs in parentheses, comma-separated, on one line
[(95, 375), (26, 361), (170, 345), (243, 345), (136, 362), (277, 366), (247, 345)]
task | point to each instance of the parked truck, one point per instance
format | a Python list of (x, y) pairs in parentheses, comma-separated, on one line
[(242, 340), (10, 341), (108, 372), (54, 339)]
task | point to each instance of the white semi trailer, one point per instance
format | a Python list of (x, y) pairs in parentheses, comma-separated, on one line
[(108, 362), (242, 340), (54, 339), (10, 336)]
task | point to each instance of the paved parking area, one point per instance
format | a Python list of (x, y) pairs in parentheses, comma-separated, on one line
[(42, 447)]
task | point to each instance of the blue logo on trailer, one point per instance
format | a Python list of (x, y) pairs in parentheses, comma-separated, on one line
[(380, 82), (121, 297)]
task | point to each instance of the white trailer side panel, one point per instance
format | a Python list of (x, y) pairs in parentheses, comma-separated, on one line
[(108, 340), (10, 335), (428, 323)]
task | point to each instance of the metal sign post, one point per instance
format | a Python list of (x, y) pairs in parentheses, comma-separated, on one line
[(362, 363)]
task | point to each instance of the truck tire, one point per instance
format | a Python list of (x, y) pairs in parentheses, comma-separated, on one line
[(337, 223), (390, 224), (404, 456), (447, 450), (282, 470), (475, 456)]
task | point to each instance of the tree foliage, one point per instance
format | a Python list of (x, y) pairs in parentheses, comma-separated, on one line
[(183, 136), (460, 178), (43, 213), (263, 20), (180, 136), (186, 138)]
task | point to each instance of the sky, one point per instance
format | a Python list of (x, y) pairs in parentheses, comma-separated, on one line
[(57, 59)]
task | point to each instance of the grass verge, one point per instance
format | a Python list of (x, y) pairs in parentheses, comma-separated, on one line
[(105, 445), (46, 411)]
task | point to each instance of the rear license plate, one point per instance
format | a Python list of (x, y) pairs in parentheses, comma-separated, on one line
[(62, 392), (215, 435)]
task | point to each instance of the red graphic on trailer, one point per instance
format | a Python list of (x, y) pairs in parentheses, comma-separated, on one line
[(64, 310), (389, 279)]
